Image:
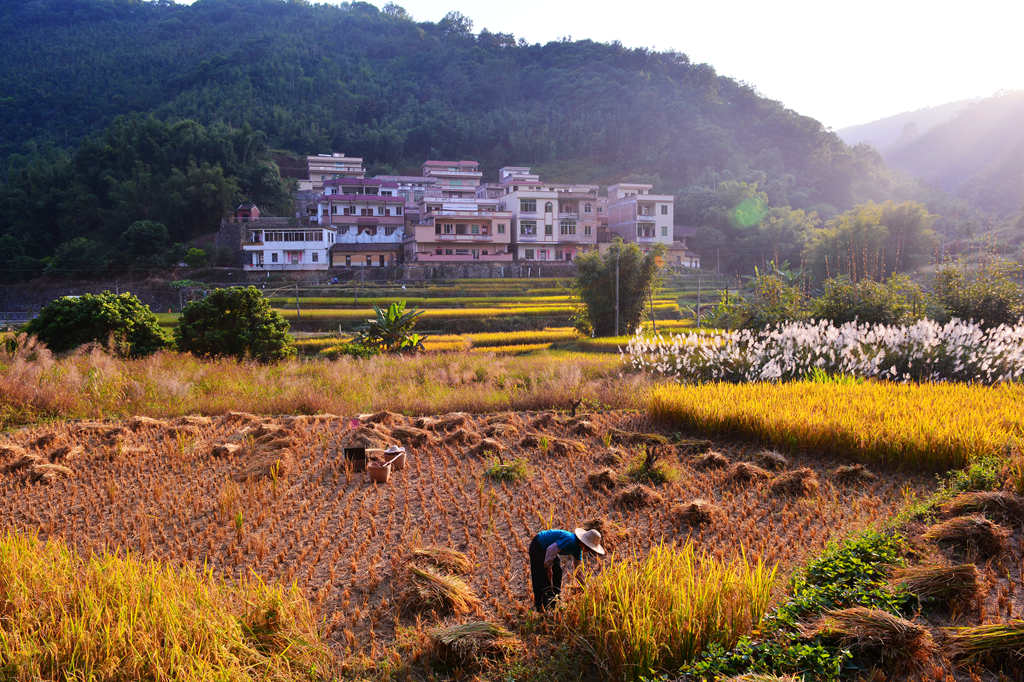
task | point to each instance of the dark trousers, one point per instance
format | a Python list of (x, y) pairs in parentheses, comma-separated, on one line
[(544, 591)]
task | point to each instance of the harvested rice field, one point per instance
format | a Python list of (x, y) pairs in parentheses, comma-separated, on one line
[(241, 493)]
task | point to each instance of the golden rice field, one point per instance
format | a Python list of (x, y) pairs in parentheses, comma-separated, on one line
[(920, 426), (241, 494)]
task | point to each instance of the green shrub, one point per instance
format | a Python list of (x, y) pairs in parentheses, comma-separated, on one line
[(990, 296), (350, 349), (596, 284), (896, 301), (516, 470), (391, 330), (120, 322), (196, 258), (234, 322)]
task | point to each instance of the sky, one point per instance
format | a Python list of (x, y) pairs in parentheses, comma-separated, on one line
[(842, 63)]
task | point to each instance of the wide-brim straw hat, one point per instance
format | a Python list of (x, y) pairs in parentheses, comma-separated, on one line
[(591, 538)]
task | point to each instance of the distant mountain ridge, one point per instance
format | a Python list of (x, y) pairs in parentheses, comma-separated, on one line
[(973, 150), (890, 132)]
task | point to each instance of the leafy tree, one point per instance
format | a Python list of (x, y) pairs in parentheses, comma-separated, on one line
[(990, 295), (237, 322), (897, 301), (79, 257), (596, 279), (120, 322), (15, 264), (196, 258), (871, 241), (391, 330), (769, 297), (144, 244)]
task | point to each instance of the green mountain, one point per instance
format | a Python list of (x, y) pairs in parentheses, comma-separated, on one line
[(257, 75)]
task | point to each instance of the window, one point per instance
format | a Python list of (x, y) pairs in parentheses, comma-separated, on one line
[(474, 228), (273, 257), (664, 209), (447, 252), (438, 251), (587, 208), (501, 228), (548, 207), (316, 257), (348, 261), (343, 229), (528, 227), (567, 227), (334, 209), (350, 210), (461, 252), (380, 260), (645, 231), (548, 230), (389, 230), (382, 210), (369, 261), (449, 228), (586, 230), (529, 254), (664, 230), (398, 210), (528, 205)]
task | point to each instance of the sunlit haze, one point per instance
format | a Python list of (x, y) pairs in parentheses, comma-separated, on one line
[(842, 63)]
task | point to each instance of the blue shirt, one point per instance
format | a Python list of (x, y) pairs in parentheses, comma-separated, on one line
[(567, 542)]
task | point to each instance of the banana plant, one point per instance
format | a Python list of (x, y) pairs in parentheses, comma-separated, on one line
[(391, 330)]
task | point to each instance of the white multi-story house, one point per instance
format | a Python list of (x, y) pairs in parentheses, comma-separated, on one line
[(551, 221), (279, 244), (455, 179), (637, 215)]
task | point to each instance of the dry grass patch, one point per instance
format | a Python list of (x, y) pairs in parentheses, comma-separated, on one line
[(638, 495), (972, 536), (956, 589), (994, 642), (602, 479), (696, 513), (428, 590), (874, 636), (711, 460), (1000, 504), (443, 558), (742, 473), (852, 474), (797, 483), (772, 460), (471, 646)]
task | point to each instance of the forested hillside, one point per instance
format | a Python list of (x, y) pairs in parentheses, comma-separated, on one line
[(380, 85), (891, 132)]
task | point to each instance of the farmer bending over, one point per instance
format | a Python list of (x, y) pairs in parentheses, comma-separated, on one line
[(545, 567)]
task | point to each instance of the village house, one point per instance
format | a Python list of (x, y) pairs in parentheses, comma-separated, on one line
[(367, 218), (323, 167), (637, 215)]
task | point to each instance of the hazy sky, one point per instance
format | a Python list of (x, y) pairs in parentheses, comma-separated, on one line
[(840, 62)]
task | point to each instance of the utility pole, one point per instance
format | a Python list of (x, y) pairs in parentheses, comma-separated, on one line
[(617, 291), (298, 311)]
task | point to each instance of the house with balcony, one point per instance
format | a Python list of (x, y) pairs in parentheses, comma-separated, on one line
[(551, 221), (454, 179), (281, 244), (638, 215), (367, 220), (460, 230), (323, 167)]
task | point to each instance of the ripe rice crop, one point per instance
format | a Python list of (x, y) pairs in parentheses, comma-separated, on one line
[(515, 349), (428, 313), (930, 426), (519, 337), (922, 351), (110, 617), (655, 613), (416, 301), (174, 490)]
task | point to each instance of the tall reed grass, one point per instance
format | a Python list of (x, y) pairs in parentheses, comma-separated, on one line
[(930, 426), (65, 617), (652, 614), (36, 385)]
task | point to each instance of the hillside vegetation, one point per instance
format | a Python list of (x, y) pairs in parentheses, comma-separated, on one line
[(304, 78)]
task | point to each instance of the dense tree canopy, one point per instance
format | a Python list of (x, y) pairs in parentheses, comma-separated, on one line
[(351, 78), (120, 322), (126, 195)]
